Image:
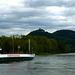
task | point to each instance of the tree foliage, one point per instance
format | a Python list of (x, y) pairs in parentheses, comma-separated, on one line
[(38, 45)]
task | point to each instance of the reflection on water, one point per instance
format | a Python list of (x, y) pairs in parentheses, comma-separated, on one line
[(60, 64)]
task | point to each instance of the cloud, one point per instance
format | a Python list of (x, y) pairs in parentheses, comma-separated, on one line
[(23, 16), (43, 3)]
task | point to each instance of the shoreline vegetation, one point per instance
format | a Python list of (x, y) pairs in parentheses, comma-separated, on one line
[(40, 45)]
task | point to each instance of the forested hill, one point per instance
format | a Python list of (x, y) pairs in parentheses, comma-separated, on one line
[(41, 32), (65, 33), (41, 42), (67, 37), (64, 36)]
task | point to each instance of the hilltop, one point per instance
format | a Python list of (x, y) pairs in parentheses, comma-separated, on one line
[(64, 36), (41, 32), (65, 33)]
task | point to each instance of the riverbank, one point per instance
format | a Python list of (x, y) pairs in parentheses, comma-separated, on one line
[(45, 54)]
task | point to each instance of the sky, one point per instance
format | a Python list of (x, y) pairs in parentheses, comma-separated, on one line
[(23, 16)]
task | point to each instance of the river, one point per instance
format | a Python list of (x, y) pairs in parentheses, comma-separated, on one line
[(59, 64)]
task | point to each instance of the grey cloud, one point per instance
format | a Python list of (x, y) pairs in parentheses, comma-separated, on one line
[(45, 3), (69, 12), (42, 3), (70, 3), (34, 15)]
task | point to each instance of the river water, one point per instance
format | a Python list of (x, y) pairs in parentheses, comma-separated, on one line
[(60, 64)]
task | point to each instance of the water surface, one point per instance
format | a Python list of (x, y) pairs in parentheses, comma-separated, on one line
[(60, 64)]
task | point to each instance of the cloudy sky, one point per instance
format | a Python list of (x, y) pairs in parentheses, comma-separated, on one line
[(23, 16)]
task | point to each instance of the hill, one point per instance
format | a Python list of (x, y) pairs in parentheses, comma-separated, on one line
[(64, 36), (41, 32), (65, 33), (67, 37)]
